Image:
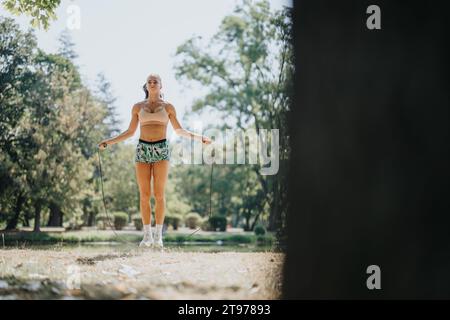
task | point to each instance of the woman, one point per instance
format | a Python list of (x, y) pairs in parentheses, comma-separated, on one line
[(152, 153)]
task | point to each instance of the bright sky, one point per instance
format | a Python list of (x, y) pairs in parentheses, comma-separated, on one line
[(127, 40)]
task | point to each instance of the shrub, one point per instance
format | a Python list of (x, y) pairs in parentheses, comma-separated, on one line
[(168, 220), (176, 221), (137, 220), (120, 220), (193, 220), (218, 222), (265, 240), (173, 220), (205, 226), (260, 230), (76, 221), (102, 220)]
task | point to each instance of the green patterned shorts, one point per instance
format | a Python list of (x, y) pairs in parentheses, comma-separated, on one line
[(152, 151)]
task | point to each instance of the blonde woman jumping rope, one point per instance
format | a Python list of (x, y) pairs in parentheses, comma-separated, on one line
[(152, 153)]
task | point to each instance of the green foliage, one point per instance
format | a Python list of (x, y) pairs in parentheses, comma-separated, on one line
[(66, 46), (218, 222), (40, 159), (41, 11), (264, 239), (137, 221), (260, 230), (17, 51), (247, 71), (205, 225), (103, 221), (120, 220), (49, 154), (174, 220), (96, 236), (119, 175), (168, 219), (193, 220), (105, 95), (76, 221)]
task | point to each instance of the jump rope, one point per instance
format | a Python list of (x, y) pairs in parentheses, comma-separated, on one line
[(108, 217)]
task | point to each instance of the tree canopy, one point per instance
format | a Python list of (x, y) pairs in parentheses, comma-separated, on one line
[(40, 11), (51, 122)]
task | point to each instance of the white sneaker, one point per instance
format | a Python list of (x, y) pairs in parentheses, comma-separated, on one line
[(147, 241), (158, 243)]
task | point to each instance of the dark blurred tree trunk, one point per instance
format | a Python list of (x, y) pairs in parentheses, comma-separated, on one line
[(12, 223), (247, 214), (26, 221), (259, 210), (88, 213), (279, 204), (37, 217), (27, 216), (275, 207), (369, 172), (55, 218), (236, 220), (91, 219)]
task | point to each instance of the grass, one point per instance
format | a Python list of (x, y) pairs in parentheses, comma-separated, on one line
[(13, 238)]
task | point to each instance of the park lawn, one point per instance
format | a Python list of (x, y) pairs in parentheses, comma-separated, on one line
[(27, 237)]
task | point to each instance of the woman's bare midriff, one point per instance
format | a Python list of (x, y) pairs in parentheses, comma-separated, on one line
[(153, 131)]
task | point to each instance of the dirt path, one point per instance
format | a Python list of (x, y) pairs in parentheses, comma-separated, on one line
[(139, 274)]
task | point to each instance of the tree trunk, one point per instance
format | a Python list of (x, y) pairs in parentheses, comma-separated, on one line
[(254, 222), (260, 209), (12, 224), (236, 220), (91, 219), (278, 206), (247, 219), (274, 207), (37, 217), (55, 218), (369, 171), (26, 222)]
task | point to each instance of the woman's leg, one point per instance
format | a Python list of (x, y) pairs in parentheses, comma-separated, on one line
[(143, 176), (160, 174)]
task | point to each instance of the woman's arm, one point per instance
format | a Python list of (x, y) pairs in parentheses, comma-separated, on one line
[(127, 133), (180, 131)]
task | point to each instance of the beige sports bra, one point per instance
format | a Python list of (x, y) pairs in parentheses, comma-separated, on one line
[(158, 116)]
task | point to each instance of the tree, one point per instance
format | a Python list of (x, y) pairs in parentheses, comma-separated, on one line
[(41, 11), (247, 68), (17, 50), (66, 46), (119, 177), (50, 125), (106, 96)]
